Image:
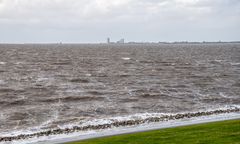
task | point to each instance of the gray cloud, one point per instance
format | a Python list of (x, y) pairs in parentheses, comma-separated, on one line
[(139, 20)]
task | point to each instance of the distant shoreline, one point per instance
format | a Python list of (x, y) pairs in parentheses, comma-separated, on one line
[(154, 43)]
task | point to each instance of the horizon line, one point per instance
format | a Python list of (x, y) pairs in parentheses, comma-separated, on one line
[(129, 42)]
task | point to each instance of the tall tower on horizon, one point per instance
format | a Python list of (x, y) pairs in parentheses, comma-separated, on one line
[(108, 40)]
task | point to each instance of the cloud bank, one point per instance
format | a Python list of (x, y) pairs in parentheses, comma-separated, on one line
[(135, 20)]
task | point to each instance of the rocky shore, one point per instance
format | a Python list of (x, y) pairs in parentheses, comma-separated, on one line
[(117, 124)]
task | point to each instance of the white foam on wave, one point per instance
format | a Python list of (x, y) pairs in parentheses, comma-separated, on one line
[(50, 139), (93, 122), (139, 116), (2, 63), (220, 60), (88, 74), (235, 64), (126, 58), (20, 62), (42, 79), (31, 130), (142, 116)]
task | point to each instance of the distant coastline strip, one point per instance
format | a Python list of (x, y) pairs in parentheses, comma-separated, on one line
[(118, 124)]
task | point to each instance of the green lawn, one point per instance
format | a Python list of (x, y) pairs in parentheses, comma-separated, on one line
[(224, 132)]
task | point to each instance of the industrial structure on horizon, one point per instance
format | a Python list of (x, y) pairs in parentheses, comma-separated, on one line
[(121, 41)]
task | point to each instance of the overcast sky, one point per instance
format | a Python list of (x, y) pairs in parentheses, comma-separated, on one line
[(135, 20)]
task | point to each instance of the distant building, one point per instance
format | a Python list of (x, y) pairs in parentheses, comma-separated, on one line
[(121, 41), (108, 40)]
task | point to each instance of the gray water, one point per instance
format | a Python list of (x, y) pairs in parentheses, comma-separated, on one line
[(49, 86)]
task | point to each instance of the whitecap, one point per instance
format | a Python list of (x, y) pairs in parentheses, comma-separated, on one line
[(20, 62), (234, 64), (88, 75), (2, 63), (126, 58)]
